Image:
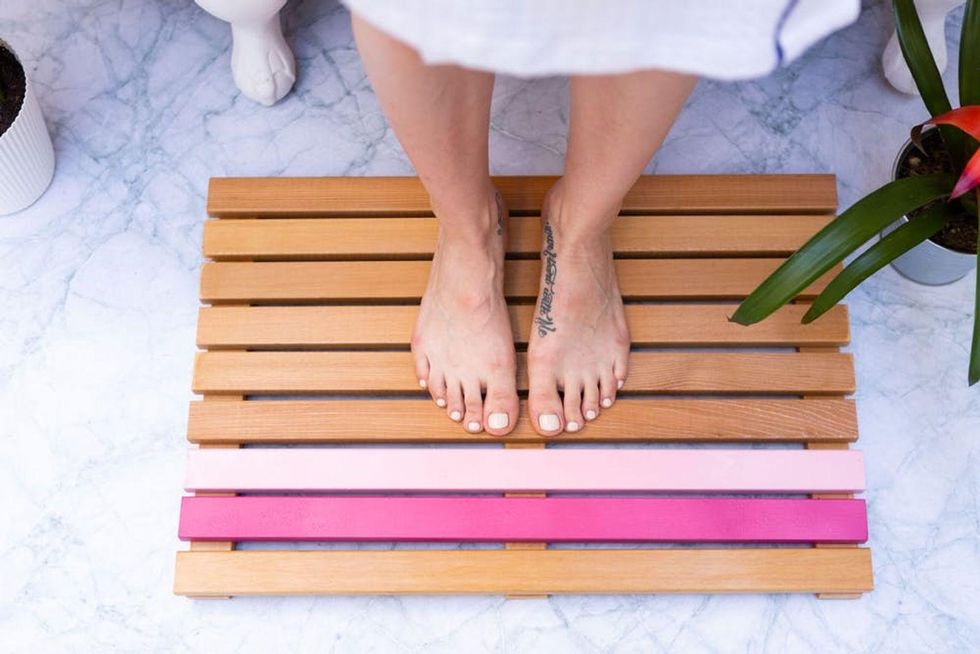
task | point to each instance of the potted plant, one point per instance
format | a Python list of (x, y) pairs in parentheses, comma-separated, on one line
[(26, 154), (926, 214)]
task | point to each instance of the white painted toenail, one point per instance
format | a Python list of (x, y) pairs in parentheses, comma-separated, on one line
[(619, 383), (572, 426), (548, 422), (422, 383), (498, 420), (440, 402), (590, 415), (456, 415), (606, 402), (473, 426)]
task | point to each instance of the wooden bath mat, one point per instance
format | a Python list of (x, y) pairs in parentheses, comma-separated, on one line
[(310, 291)]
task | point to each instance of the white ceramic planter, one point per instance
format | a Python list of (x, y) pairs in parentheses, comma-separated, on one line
[(26, 154), (928, 262)]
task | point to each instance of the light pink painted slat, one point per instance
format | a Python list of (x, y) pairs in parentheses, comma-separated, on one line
[(543, 470), (495, 519)]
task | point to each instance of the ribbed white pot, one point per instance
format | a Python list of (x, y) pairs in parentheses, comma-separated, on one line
[(26, 154)]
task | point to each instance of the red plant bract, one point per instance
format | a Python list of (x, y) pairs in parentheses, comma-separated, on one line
[(966, 119)]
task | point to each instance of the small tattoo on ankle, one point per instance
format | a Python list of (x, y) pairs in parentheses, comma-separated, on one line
[(545, 321), (500, 213)]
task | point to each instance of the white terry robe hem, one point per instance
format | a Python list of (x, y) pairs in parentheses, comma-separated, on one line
[(720, 39)]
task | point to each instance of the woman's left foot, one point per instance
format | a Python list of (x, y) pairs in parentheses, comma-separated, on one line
[(579, 341)]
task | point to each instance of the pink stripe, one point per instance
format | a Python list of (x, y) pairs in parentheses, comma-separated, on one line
[(525, 519), (493, 470)]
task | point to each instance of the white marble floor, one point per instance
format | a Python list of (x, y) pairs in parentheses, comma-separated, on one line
[(98, 297)]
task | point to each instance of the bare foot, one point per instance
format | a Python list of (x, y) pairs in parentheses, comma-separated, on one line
[(579, 341), (463, 342)]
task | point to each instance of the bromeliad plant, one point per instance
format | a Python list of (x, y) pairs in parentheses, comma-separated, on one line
[(845, 234)]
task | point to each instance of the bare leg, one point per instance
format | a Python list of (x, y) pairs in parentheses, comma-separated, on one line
[(462, 342), (580, 342)]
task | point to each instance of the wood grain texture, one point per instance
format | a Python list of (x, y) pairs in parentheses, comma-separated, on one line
[(250, 197), (257, 373), (365, 243), (214, 545), (743, 570), (415, 238), (373, 281), (629, 420), (828, 496), (530, 519), (387, 326)]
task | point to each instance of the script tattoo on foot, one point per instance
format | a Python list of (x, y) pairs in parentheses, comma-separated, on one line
[(500, 213), (544, 319)]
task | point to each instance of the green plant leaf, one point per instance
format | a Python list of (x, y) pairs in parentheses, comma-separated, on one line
[(878, 256), (918, 56), (974, 375), (969, 70), (842, 236), (970, 54), (975, 347)]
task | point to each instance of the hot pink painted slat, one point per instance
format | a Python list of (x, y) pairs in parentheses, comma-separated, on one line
[(255, 518), (543, 470)]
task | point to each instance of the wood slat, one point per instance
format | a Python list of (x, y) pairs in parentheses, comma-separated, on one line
[(419, 421), (830, 496), (495, 519), (681, 238), (213, 545), (323, 327), (415, 238), (528, 572), (639, 279), (524, 544), (258, 373), (655, 194), (414, 469)]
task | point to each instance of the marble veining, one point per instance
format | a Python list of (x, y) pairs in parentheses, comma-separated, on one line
[(99, 299)]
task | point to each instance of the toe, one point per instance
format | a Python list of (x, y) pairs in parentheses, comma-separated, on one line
[(590, 399), (545, 407), (607, 388), (437, 388), (621, 368), (573, 404), (473, 406), (454, 400), (500, 406), (421, 367)]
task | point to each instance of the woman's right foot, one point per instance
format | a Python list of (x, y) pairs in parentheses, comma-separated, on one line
[(463, 344)]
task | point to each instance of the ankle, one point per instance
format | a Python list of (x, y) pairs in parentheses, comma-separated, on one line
[(577, 242), (476, 218), (471, 239), (579, 221)]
